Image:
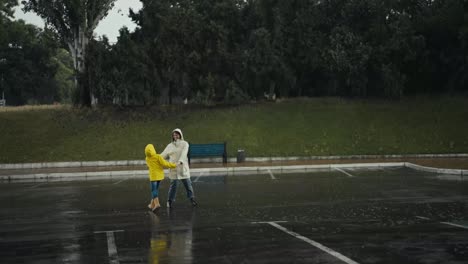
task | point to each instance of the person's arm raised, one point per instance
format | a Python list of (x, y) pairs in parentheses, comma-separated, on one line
[(166, 164)]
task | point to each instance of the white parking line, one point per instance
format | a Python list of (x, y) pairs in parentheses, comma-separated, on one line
[(314, 243), (37, 185), (196, 180), (423, 218), (111, 246), (456, 225), (445, 223), (268, 222), (271, 175), (340, 170), (121, 181)]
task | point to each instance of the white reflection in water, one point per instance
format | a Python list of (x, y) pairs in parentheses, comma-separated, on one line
[(449, 177)]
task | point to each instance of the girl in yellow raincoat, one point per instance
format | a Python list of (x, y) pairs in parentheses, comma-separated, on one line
[(156, 165)]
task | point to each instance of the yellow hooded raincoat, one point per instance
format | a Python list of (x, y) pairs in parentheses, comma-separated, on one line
[(156, 164)]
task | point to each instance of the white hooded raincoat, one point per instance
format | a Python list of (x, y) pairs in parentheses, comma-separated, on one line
[(177, 152)]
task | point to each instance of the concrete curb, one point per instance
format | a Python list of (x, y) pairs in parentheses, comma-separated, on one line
[(78, 164), (435, 170), (230, 171), (393, 156), (202, 172), (71, 164)]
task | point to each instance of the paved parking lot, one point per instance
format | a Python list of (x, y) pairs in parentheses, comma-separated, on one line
[(343, 216)]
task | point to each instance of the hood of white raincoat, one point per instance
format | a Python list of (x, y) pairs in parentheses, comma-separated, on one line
[(178, 131)]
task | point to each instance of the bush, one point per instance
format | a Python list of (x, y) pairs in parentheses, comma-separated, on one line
[(393, 82), (234, 95)]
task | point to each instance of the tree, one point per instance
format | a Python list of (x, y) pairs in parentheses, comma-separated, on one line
[(213, 51), (27, 67), (64, 76), (74, 21), (6, 12), (6, 8)]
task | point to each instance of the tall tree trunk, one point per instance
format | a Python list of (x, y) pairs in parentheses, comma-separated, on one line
[(75, 21), (77, 47)]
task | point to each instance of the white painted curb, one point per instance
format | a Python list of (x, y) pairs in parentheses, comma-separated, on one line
[(435, 170), (391, 156), (199, 171), (78, 164), (231, 171), (72, 164)]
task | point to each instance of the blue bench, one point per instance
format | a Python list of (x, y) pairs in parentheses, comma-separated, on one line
[(207, 150)]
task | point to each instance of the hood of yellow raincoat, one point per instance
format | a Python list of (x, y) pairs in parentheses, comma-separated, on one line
[(150, 151)]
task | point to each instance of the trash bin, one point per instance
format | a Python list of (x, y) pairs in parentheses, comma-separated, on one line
[(240, 155)]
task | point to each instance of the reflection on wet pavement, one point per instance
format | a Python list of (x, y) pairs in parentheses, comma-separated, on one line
[(171, 236), (376, 216)]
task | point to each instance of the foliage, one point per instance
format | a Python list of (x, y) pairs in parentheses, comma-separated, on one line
[(230, 51), (74, 22)]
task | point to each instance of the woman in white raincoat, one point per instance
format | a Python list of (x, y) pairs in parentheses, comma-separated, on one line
[(176, 152)]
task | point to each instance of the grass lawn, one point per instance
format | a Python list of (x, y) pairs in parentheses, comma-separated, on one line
[(295, 127)]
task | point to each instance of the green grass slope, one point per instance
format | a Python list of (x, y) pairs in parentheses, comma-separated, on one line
[(299, 127)]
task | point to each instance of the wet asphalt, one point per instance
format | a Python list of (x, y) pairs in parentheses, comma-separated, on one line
[(366, 216)]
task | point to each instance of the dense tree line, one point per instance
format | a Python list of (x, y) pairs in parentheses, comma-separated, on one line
[(33, 68), (231, 51)]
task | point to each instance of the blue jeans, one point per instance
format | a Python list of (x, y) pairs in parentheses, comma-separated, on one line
[(154, 189), (173, 188)]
